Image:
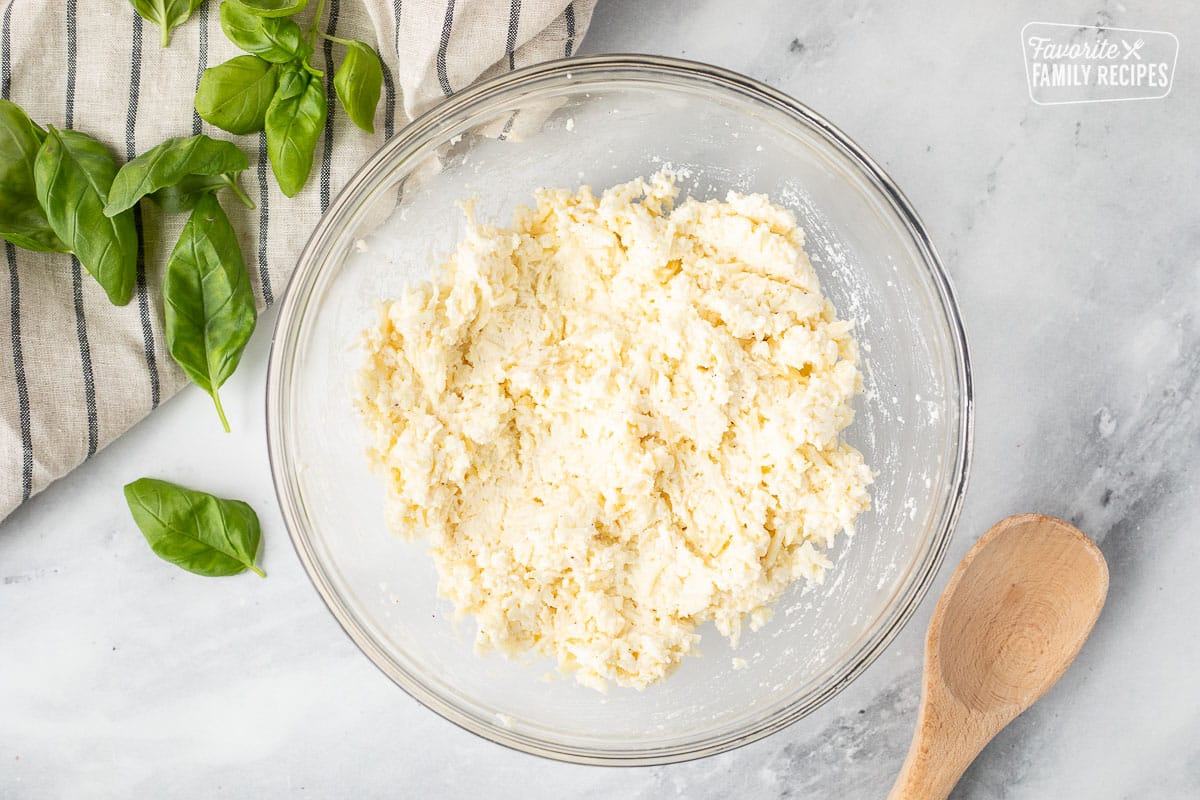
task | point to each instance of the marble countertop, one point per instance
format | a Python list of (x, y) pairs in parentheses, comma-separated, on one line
[(1072, 235)]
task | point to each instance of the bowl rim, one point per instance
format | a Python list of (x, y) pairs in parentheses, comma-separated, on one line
[(414, 135)]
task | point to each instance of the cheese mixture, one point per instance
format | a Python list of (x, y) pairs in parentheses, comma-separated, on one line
[(616, 420)]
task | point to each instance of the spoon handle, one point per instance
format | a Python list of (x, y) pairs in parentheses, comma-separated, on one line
[(944, 745)]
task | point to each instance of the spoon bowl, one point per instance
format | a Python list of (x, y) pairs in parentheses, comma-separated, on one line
[(1012, 619)]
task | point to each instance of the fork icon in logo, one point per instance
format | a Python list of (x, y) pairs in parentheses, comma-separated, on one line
[(1132, 49)]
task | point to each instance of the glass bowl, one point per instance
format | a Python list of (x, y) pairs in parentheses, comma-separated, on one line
[(602, 121)]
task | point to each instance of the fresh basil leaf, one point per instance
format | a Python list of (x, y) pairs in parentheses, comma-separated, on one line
[(73, 173), (183, 196), (235, 95), (293, 80), (195, 530), (22, 220), (210, 311), (293, 126), (169, 163), (273, 8), (358, 82), (276, 40), (166, 14)]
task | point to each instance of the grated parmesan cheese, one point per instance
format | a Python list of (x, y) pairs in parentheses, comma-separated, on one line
[(616, 420)]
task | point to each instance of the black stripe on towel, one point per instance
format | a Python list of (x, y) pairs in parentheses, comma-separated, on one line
[(389, 113), (201, 63), (85, 356), (514, 22), (443, 46), (569, 16), (396, 7), (85, 350), (389, 99), (330, 106), (14, 289), (264, 196), (72, 45), (6, 47), (143, 299)]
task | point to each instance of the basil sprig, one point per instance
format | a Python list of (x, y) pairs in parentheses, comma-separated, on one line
[(210, 310), (276, 89), (166, 14), (62, 191), (195, 530)]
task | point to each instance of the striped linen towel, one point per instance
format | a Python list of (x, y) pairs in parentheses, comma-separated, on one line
[(75, 371)]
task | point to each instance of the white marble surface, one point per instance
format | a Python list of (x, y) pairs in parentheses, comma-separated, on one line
[(1072, 235)]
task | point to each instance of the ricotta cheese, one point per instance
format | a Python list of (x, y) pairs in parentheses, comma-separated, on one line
[(616, 420)]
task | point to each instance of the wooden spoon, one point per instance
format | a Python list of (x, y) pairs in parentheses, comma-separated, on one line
[(1012, 619)]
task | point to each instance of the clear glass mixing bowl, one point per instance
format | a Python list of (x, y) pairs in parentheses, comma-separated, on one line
[(602, 121)]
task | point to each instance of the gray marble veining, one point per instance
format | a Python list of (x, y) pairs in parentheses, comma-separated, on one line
[(1072, 235)]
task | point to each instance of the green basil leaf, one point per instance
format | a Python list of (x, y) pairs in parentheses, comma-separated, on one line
[(358, 82), (166, 14), (22, 220), (195, 530), (293, 126), (73, 173), (184, 195), (235, 95), (210, 311), (293, 80), (276, 40), (273, 8), (169, 163)]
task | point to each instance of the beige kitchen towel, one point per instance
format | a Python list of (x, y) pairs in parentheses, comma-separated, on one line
[(75, 371)]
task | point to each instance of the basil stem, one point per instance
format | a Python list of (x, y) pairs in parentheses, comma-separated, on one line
[(183, 196), (166, 14)]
